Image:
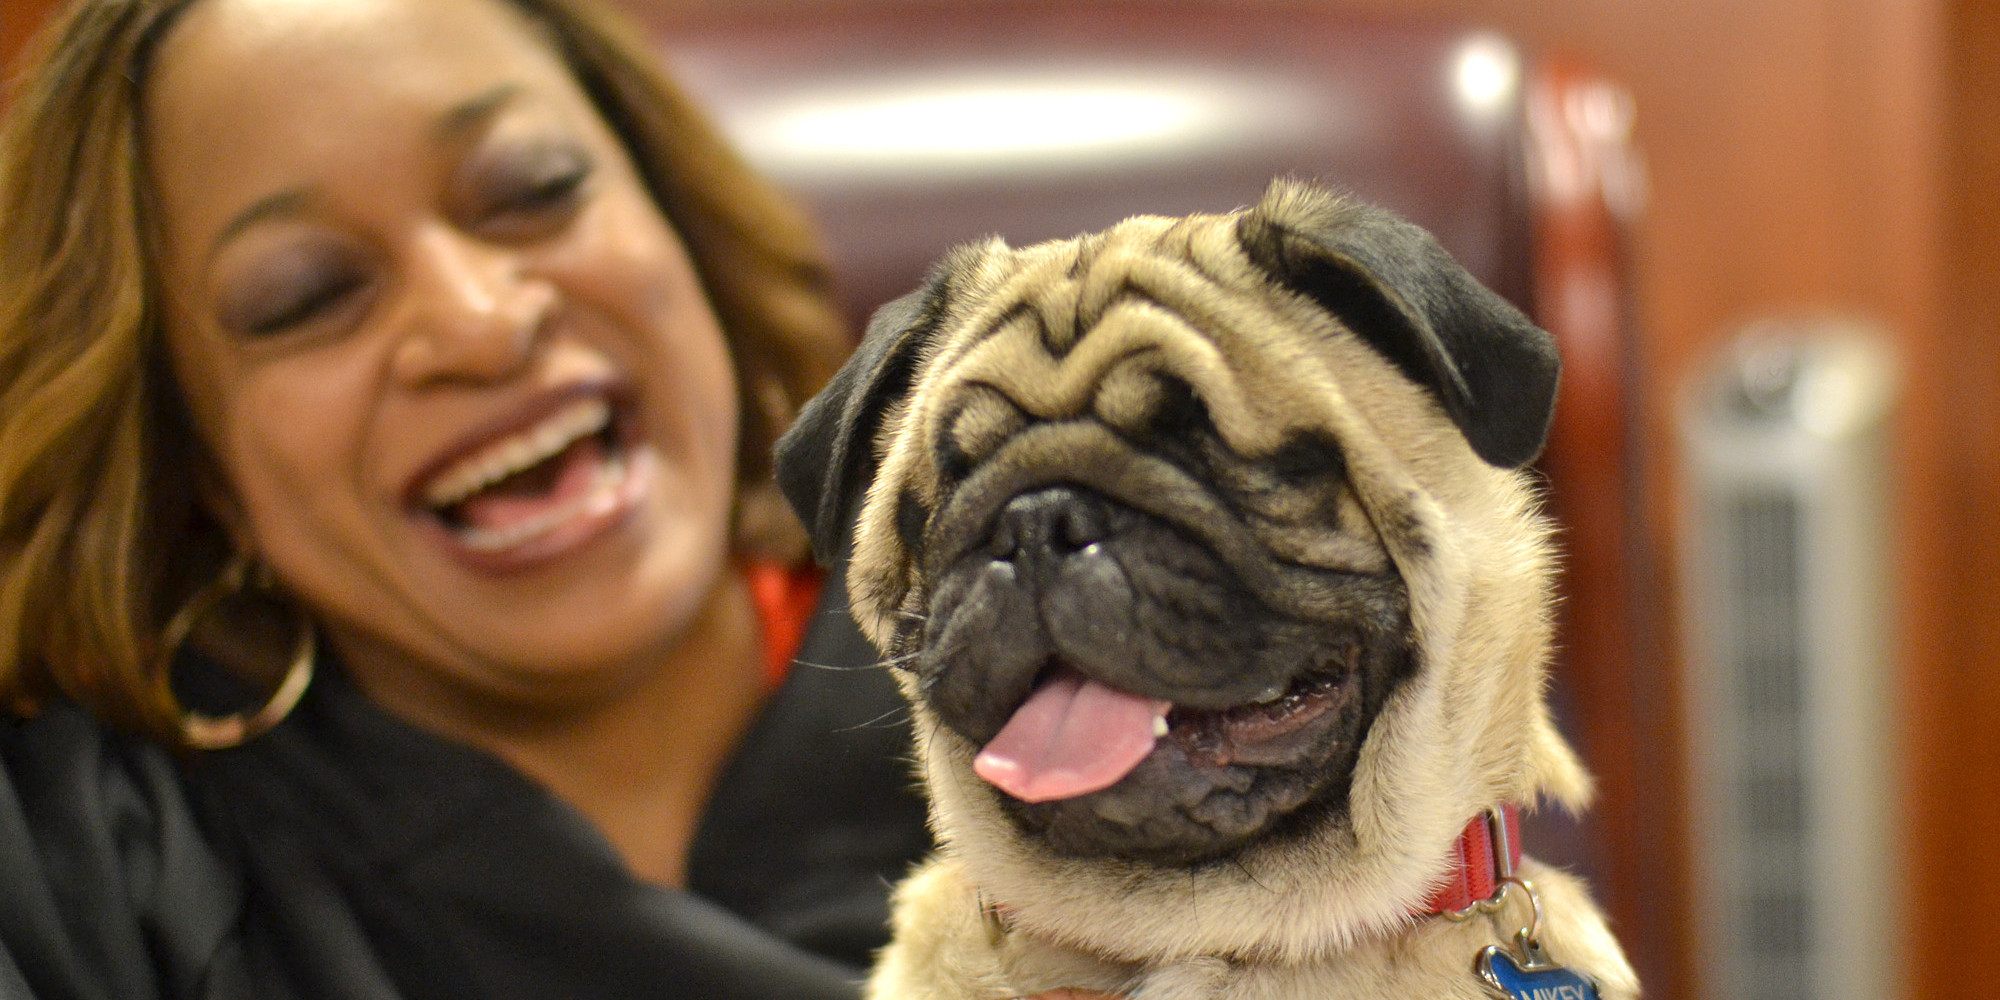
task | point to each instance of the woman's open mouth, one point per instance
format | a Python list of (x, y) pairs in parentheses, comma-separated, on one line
[(542, 487)]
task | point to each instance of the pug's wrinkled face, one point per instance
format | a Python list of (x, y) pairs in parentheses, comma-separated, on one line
[(1111, 526), (1165, 644)]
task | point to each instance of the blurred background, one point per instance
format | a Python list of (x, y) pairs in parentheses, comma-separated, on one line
[(1766, 233)]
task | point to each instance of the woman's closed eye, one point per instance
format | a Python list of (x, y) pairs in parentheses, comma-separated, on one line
[(526, 194), (292, 291)]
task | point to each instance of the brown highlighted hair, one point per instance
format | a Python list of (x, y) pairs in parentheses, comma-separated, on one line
[(101, 536)]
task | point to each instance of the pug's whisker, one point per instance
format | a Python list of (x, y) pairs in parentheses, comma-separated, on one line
[(931, 753), (900, 663), (1251, 876), (887, 720), (839, 668)]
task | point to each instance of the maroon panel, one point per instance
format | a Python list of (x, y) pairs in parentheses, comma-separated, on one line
[(1367, 105)]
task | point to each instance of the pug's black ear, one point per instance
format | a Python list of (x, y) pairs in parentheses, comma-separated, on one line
[(1493, 369), (826, 460)]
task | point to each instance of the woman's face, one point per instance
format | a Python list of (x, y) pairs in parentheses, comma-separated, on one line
[(464, 391)]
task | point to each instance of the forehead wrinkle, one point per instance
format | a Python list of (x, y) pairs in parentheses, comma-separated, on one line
[(1060, 388)]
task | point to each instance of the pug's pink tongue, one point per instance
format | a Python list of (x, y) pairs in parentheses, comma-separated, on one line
[(1073, 736)]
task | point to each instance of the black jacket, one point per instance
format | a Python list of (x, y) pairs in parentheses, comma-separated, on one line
[(349, 855)]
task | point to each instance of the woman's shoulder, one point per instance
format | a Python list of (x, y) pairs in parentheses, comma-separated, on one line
[(112, 888), (818, 813)]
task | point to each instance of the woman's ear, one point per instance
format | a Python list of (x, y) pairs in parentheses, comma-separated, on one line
[(214, 498)]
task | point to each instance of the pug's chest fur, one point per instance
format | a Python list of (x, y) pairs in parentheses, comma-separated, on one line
[(950, 945)]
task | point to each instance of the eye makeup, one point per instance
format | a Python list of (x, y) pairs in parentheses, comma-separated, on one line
[(515, 190), (292, 287)]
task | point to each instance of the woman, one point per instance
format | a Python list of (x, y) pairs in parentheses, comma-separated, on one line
[(419, 358)]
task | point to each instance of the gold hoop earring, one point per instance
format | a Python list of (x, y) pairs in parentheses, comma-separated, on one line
[(212, 732)]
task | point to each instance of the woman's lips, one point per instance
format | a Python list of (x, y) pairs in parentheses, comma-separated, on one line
[(544, 486), (586, 484), (516, 453)]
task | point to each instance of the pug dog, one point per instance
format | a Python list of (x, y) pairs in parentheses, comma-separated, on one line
[(1203, 552)]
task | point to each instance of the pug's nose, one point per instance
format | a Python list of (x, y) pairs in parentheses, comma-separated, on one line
[(1055, 521)]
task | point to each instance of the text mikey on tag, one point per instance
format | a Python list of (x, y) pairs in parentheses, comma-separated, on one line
[(1508, 980)]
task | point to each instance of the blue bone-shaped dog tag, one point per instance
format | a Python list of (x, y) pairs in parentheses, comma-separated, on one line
[(1538, 980)]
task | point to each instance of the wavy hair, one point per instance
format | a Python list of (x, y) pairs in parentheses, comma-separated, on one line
[(101, 534)]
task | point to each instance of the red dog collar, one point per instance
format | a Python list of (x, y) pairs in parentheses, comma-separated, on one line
[(1478, 870)]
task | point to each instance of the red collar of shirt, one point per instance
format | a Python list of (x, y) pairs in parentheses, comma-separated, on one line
[(785, 597)]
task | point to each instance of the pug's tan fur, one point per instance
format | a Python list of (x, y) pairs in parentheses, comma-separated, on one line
[(1072, 336)]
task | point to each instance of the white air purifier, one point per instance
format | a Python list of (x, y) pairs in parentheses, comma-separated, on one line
[(1787, 593)]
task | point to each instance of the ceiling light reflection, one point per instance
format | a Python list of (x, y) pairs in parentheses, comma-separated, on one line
[(1486, 74), (927, 126)]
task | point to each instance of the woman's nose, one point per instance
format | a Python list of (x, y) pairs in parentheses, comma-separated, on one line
[(473, 312)]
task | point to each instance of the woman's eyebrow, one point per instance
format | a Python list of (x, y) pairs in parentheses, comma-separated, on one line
[(286, 202), (467, 115)]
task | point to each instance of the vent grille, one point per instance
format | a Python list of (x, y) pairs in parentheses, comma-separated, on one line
[(1763, 532)]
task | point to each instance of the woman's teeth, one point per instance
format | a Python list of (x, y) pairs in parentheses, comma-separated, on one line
[(600, 498), (519, 452)]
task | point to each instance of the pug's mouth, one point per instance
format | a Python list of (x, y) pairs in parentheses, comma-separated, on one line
[(1074, 736), (1094, 771)]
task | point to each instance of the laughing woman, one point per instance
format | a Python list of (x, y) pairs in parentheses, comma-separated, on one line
[(391, 600)]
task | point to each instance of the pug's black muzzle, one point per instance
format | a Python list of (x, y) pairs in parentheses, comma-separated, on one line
[(1270, 707)]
